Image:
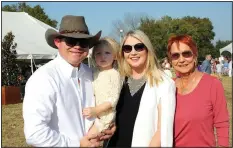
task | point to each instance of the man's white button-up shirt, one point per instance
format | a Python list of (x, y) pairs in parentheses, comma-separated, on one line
[(53, 103)]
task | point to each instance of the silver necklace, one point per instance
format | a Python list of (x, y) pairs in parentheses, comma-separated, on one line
[(135, 84)]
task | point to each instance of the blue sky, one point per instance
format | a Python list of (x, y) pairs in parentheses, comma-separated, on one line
[(100, 15)]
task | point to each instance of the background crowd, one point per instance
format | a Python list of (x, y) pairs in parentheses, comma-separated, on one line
[(218, 67)]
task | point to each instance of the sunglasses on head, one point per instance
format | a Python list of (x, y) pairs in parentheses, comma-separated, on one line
[(185, 54), (138, 47), (83, 43)]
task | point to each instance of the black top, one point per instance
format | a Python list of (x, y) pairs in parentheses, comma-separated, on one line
[(126, 113)]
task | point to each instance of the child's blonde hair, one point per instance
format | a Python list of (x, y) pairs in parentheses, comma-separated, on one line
[(110, 44)]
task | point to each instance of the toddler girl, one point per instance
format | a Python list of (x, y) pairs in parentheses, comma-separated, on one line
[(106, 83)]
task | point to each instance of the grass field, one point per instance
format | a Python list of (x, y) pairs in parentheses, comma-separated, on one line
[(12, 122)]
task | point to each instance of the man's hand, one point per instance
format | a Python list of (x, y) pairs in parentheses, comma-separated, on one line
[(89, 112), (90, 141), (106, 134)]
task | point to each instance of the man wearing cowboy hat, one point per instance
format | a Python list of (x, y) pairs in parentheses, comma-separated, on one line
[(58, 91)]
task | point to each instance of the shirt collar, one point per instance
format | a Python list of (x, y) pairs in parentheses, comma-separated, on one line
[(68, 70)]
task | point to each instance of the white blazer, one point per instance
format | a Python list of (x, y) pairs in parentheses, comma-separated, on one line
[(147, 118)]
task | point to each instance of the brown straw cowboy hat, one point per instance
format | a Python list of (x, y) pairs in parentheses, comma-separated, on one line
[(74, 27)]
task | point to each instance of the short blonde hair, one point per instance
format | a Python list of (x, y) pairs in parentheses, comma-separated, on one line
[(105, 42), (153, 71)]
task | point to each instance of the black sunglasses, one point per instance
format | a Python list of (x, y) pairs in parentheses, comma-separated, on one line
[(138, 47), (185, 54), (83, 43)]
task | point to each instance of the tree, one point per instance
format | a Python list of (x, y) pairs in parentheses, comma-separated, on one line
[(160, 30), (36, 12), (220, 44), (131, 21), (10, 70)]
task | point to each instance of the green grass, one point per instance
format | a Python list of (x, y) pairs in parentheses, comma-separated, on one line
[(227, 84), (12, 121), (12, 126)]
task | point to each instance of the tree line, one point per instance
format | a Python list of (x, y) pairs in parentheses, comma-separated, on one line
[(158, 30)]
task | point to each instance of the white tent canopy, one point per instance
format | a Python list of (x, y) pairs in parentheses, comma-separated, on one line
[(227, 48), (29, 35)]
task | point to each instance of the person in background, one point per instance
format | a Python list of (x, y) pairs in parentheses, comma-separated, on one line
[(201, 105), (225, 66), (164, 62), (57, 92), (230, 67), (221, 59), (213, 66), (206, 65), (219, 69), (145, 110), (199, 66), (167, 68)]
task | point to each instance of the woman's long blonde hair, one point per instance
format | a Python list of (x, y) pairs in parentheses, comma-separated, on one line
[(153, 71)]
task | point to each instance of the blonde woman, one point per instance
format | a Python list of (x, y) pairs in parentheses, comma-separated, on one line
[(106, 84), (145, 110)]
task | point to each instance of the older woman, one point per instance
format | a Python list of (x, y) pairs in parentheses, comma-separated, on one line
[(201, 104), (145, 110)]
